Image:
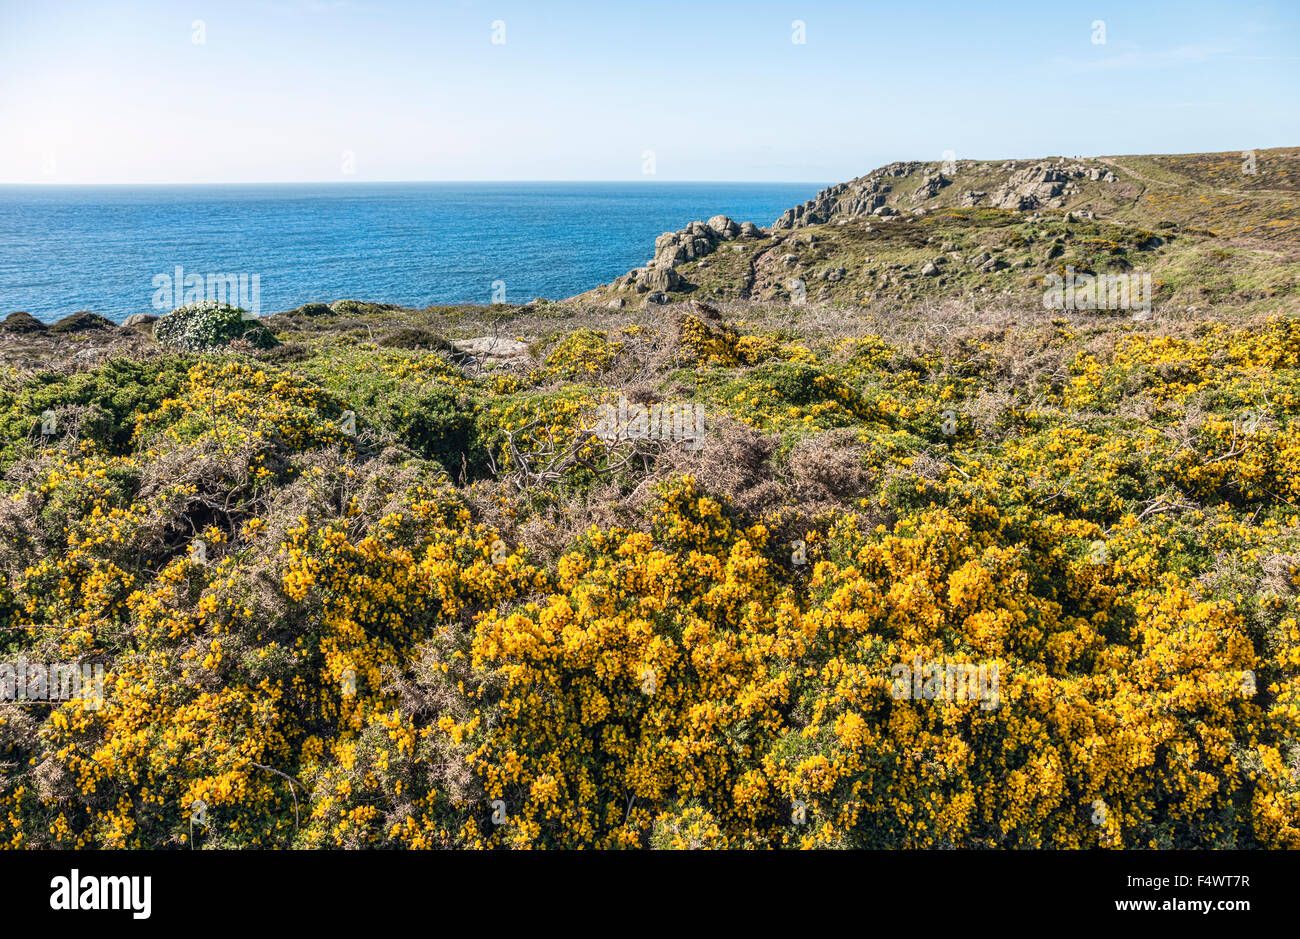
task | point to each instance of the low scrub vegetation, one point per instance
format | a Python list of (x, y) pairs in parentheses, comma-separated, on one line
[(364, 590)]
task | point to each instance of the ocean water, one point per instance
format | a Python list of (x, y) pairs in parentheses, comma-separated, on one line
[(103, 248)]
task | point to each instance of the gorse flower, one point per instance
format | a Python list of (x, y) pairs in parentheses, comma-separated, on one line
[(338, 633)]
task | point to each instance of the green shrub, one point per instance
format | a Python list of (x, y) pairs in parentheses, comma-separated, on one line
[(209, 325), (103, 403), (415, 337)]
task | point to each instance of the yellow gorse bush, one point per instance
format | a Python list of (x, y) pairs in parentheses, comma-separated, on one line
[(353, 657)]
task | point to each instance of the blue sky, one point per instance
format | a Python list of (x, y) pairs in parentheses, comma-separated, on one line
[(315, 90)]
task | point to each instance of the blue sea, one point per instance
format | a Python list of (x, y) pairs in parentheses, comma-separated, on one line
[(104, 248)]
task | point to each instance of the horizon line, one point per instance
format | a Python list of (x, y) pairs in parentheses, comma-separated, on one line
[(422, 182)]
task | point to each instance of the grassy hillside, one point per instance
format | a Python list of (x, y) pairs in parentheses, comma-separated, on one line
[(373, 579), (1208, 233)]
